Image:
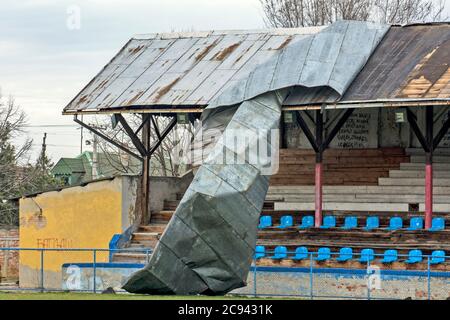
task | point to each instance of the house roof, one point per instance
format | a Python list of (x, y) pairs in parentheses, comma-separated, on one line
[(189, 70), (68, 166)]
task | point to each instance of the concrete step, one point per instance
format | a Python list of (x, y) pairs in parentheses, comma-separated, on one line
[(417, 174), (358, 198), (343, 206), (358, 206), (161, 216), (145, 236), (131, 257), (412, 182), (436, 159), (421, 166), (420, 152), (284, 191), (154, 227)]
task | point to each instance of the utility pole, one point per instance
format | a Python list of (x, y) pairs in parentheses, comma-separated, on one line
[(81, 137), (43, 151), (95, 158)]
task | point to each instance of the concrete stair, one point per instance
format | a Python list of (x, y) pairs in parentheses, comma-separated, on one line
[(402, 187)]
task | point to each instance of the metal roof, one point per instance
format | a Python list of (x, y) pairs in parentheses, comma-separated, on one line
[(411, 66), (180, 69), (191, 70)]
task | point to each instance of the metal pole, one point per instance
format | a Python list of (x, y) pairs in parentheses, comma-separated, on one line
[(368, 280), (145, 218), (254, 278), (429, 168), (95, 271), (319, 169), (429, 277), (42, 269), (311, 295)]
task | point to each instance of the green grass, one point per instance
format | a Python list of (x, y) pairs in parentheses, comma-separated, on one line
[(91, 296)]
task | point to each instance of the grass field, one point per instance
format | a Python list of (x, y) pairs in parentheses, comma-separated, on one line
[(91, 296)]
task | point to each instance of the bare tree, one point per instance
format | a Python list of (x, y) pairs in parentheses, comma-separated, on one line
[(165, 160), (18, 175), (304, 13)]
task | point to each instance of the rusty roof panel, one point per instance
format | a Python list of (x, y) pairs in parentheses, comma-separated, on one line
[(412, 62), (180, 68)]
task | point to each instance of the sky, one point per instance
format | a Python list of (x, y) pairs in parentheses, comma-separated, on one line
[(46, 57), (47, 54)]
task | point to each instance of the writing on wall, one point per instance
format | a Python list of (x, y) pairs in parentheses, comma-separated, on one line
[(360, 131), (54, 243)]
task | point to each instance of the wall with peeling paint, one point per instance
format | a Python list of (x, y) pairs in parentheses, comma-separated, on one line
[(77, 217)]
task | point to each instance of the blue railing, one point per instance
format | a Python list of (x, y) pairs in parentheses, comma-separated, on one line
[(307, 278)]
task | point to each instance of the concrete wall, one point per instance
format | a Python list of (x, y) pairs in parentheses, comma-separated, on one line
[(77, 217), (275, 281), (162, 188), (370, 128), (9, 260)]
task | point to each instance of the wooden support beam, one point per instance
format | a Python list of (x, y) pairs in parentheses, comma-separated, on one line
[(134, 138), (342, 120), (415, 128), (145, 178), (163, 135), (301, 122), (441, 134)]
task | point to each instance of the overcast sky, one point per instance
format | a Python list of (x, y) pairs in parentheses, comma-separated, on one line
[(44, 63)]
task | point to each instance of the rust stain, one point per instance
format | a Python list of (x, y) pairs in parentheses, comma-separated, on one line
[(135, 50), (285, 43), (205, 51), (221, 55), (136, 97), (163, 90), (83, 99)]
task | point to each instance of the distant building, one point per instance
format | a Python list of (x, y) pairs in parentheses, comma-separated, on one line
[(78, 170)]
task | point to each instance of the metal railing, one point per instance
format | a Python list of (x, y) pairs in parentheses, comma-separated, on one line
[(306, 278)]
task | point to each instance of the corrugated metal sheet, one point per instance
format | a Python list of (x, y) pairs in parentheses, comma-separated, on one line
[(184, 69), (209, 242), (412, 62)]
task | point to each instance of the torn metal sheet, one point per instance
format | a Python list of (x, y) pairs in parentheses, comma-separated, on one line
[(208, 244)]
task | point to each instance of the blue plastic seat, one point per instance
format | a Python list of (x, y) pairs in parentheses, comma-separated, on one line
[(395, 223), (323, 254), (329, 222), (345, 254), (260, 252), (372, 223), (280, 253), (307, 222), (301, 253), (390, 256), (286, 222), (367, 255), (265, 222), (416, 223), (350, 223), (414, 256), (437, 224), (437, 257)]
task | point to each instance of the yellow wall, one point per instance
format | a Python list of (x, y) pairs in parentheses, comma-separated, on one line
[(77, 217)]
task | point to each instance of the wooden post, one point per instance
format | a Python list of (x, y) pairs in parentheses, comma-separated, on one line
[(429, 117), (145, 179), (319, 170)]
